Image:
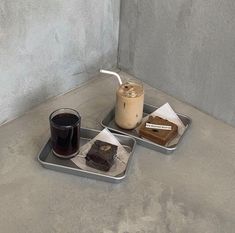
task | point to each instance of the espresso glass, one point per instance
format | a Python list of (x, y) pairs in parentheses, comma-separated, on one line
[(65, 132)]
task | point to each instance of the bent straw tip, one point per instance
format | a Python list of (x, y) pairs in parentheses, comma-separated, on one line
[(112, 73)]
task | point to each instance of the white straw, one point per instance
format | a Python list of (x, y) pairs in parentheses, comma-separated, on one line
[(113, 73)]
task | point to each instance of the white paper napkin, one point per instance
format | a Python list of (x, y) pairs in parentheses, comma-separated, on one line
[(166, 112), (120, 162)]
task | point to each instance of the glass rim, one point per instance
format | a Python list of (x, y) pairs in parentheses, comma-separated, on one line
[(75, 112), (133, 94), (134, 81)]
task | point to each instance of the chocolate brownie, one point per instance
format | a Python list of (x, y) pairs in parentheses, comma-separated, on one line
[(159, 136), (101, 155)]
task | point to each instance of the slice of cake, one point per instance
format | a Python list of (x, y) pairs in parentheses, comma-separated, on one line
[(159, 136), (101, 155)]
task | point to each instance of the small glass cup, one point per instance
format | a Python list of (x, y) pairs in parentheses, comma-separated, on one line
[(65, 132)]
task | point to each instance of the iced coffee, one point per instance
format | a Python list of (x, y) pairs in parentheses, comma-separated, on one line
[(129, 105)]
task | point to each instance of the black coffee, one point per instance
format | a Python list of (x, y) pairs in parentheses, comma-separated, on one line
[(65, 134)]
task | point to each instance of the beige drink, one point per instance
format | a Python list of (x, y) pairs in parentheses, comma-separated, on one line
[(129, 105)]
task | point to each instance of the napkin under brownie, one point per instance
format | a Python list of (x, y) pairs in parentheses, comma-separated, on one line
[(159, 136), (101, 155)]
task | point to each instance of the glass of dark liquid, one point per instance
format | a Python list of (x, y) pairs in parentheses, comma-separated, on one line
[(65, 132)]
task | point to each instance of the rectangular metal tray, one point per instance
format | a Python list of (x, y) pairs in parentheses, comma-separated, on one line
[(48, 160), (109, 122)]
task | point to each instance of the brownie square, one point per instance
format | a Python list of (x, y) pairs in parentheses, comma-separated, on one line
[(159, 136), (101, 155)]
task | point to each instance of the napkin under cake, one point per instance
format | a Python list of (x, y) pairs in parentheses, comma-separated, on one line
[(159, 136), (101, 155)]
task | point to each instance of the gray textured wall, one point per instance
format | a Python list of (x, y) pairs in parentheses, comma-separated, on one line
[(49, 46), (184, 47)]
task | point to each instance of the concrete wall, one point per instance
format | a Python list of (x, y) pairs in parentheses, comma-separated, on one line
[(50, 46), (184, 47)]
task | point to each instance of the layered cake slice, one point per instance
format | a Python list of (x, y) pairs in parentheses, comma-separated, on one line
[(101, 155), (159, 136)]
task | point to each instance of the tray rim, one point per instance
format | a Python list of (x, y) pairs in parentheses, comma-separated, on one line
[(111, 178), (167, 149)]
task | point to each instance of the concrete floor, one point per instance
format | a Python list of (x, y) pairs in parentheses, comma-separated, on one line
[(190, 191)]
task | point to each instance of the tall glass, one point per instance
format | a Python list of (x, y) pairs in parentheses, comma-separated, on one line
[(129, 104)]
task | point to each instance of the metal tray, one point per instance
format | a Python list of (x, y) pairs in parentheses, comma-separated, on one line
[(109, 122), (48, 160)]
